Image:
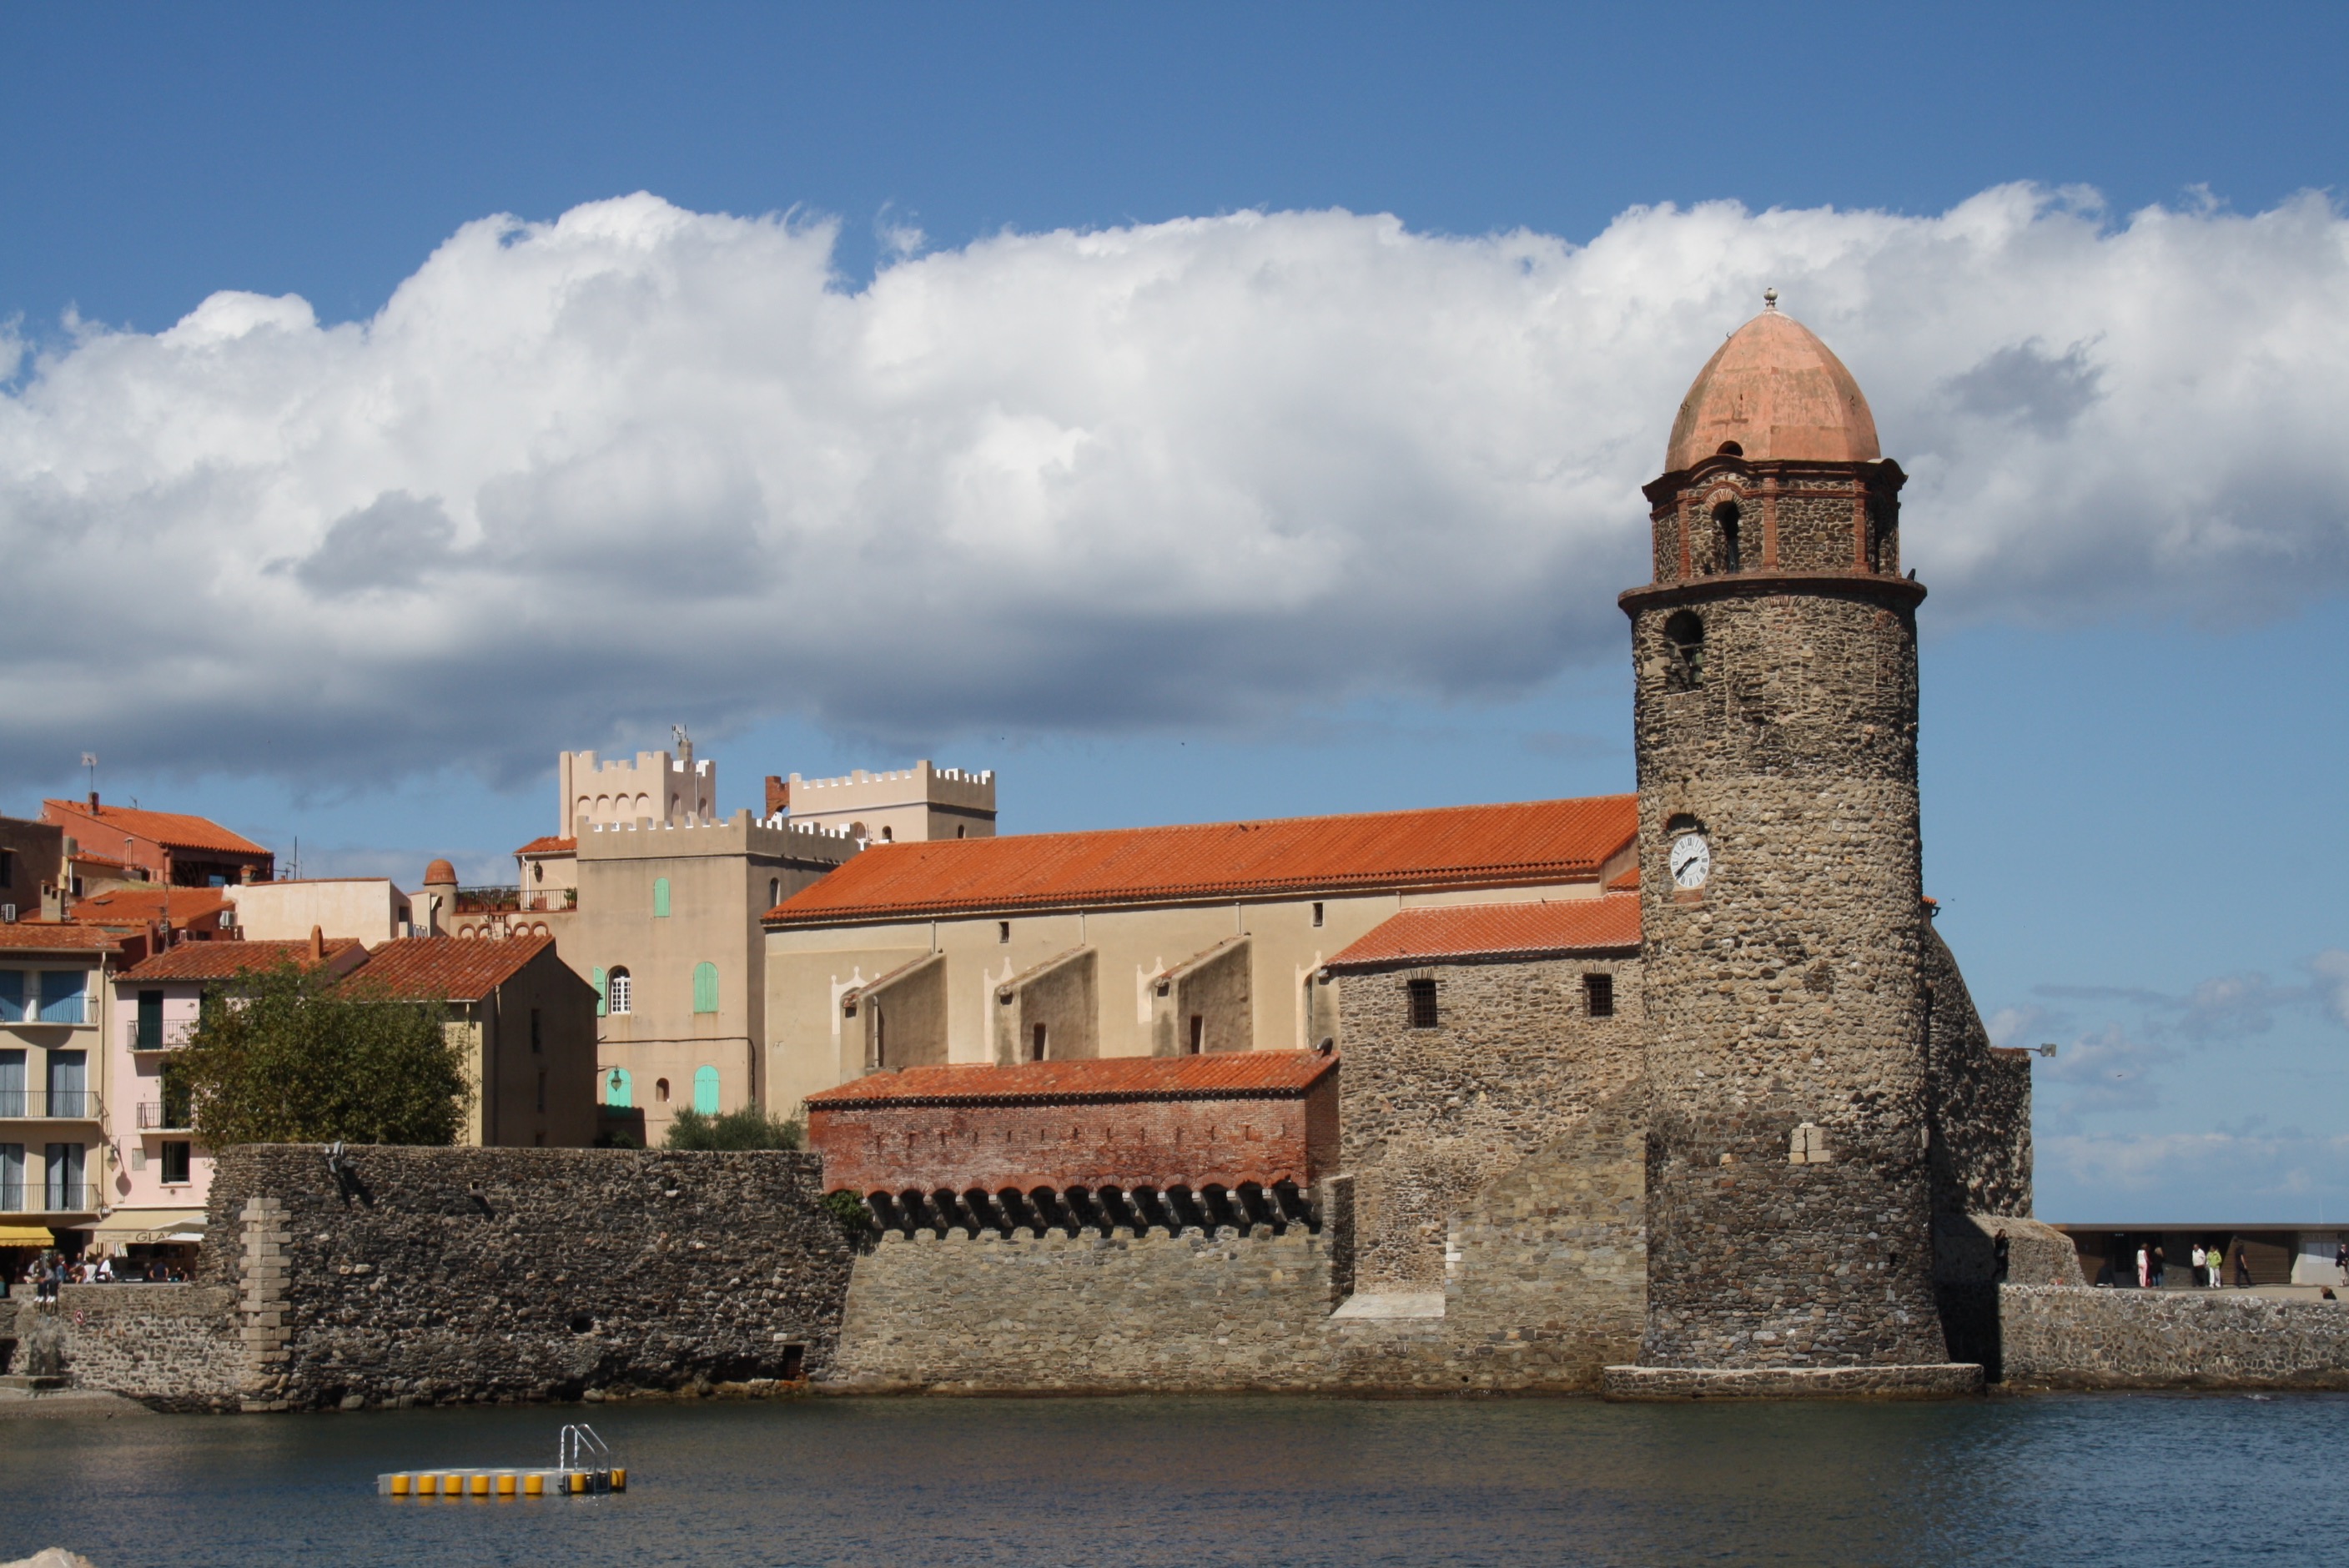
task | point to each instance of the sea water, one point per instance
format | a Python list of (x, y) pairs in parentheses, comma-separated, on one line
[(1103, 1483)]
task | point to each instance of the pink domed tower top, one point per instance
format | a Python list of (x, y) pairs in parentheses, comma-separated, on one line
[(1774, 392)]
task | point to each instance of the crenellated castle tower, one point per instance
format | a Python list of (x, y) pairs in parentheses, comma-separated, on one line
[(1789, 1217)]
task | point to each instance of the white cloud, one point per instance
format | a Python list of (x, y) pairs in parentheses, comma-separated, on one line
[(579, 477), (2244, 1172)]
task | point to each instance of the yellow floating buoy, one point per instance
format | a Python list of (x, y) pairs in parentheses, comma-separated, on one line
[(534, 1485), (620, 1478), (481, 1486), (399, 1486), (505, 1483)]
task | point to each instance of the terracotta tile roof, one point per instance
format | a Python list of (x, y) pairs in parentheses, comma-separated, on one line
[(1627, 881), (230, 960), (173, 828), (550, 846), (447, 968), (1454, 931), (83, 857), (54, 936), (142, 903), (1457, 846), (1233, 1075)]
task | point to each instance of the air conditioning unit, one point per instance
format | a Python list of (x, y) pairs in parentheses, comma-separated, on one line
[(9, 912)]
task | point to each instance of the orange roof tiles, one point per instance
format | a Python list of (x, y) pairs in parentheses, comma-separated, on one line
[(1456, 931), (1777, 392), (54, 936), (230, 960), (1456, 846), (1233, 1075), (446, 968), (151, 902), (175, 828), (550, 846), (1627, 881)]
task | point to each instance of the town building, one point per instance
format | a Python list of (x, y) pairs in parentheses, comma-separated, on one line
[(32, 868), (365, 909), (167, 846), (148, 917), (527, 1023), (162, 1175), (54, 981)]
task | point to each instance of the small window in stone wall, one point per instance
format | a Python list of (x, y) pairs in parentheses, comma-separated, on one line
[(1198, 1033), (1317, 914), (1683, 651), (1599, 994), (1002, 931), (1420, 995), (1037, 1045)]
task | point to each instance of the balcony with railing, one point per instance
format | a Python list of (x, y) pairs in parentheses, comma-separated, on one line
[(163, 1115), (152, 1033), (40, 1197), (50, 1105)]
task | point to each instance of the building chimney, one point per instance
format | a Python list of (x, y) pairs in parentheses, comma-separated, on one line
[(93, 803), (317, 945)]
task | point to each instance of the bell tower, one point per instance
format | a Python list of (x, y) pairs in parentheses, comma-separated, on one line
[(1776, 662)]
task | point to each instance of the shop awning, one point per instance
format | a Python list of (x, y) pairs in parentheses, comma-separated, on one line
[(148, 1224), (26, 1236)]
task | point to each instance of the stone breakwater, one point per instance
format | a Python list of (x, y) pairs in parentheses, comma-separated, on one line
[(456, 1275), (2073, 1336)]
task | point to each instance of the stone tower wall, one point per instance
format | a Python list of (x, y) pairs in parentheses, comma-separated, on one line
[(1789, 990)]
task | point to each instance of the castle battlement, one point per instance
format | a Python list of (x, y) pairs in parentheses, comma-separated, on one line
[(908, 804), (666, 788), (743, 834)]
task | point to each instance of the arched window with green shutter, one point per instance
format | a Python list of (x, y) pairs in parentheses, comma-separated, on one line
[(603, 1000), (619, 1088), (705, 987), (660, 898), (704, 1090)]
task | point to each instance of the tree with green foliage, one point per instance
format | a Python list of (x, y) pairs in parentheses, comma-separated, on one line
[(747, 1127), (291, 1055)]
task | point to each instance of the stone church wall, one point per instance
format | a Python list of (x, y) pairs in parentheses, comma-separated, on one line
[(1429, 1118), (1979, 1101)]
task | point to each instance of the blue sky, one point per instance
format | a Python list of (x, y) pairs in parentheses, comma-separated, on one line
[(2134, 740)]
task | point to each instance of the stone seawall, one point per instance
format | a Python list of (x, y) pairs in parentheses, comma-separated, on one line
[(174, 1345), (450, 1275), (447, 1275), (2073, 1337)]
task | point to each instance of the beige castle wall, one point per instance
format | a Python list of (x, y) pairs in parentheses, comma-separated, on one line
[(666, 788), (905, 805)]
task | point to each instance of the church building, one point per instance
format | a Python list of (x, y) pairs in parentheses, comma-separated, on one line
[(1681, 1084)]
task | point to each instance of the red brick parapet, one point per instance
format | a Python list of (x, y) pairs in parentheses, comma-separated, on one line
[(1229, 1121)]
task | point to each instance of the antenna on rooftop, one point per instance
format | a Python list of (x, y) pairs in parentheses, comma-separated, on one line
[(89, 760)]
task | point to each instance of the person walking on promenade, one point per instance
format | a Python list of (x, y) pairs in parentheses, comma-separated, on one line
[(2341, 1260), (2197, 1256), (2143, 1268), (2161, 1265), (2242, 1267)]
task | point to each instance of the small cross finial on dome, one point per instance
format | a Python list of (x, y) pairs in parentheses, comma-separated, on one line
[(1769, 299)]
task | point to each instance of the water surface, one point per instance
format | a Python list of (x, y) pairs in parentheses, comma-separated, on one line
[(1103, 1483)]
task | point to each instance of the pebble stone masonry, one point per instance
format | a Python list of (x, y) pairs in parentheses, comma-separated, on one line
[(1789, 1206)]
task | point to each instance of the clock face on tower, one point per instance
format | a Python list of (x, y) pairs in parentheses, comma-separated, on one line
[(1691, 861)]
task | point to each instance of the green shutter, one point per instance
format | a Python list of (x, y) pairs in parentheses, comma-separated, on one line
[(660, 898), (704, 1090), (705, 987), (603, 997)]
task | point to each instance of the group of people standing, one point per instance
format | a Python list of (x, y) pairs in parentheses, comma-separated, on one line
[(51, 1271), (2211, 1266)]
